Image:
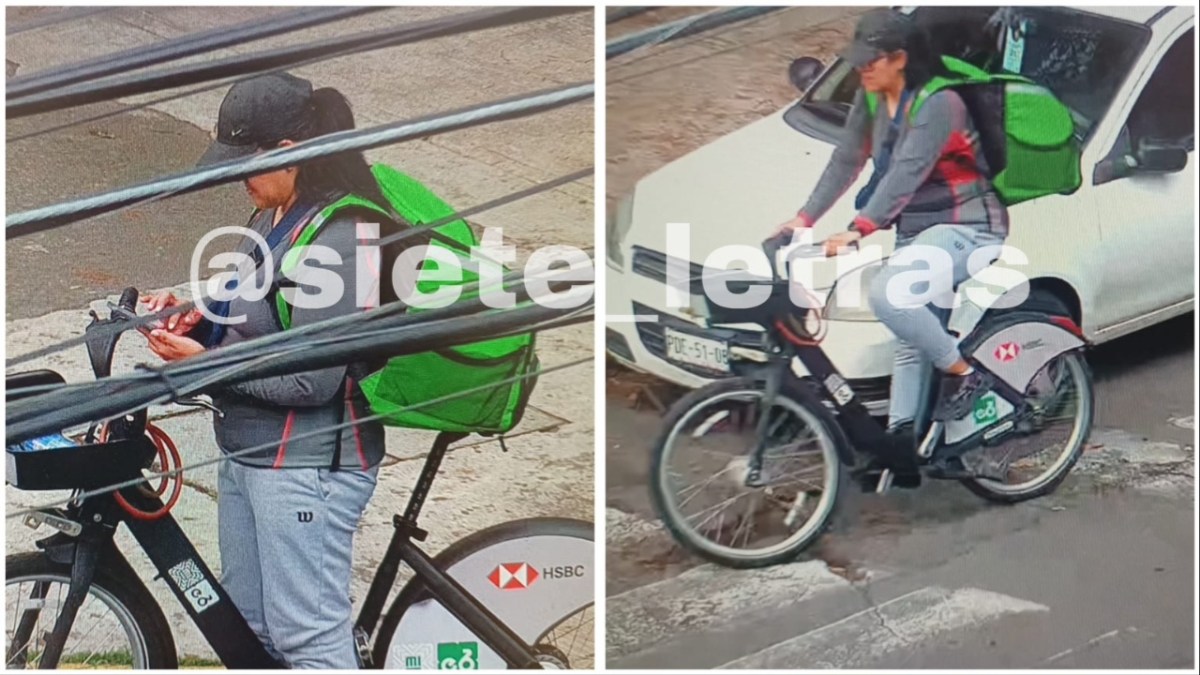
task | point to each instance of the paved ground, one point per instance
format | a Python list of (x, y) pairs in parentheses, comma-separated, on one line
[(53, 278), (1098, 575)]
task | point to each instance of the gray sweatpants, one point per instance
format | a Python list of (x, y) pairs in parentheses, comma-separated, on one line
[(917, 312), (286, 539)]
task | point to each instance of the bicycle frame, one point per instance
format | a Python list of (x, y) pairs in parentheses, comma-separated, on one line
[(210, 607), (201, 593), (864, 432), (474, 615)]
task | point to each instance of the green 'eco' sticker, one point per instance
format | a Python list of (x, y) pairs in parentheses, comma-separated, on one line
[(985, 409), (458, 656)]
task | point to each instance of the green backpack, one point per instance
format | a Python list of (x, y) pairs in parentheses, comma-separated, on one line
[(1027, 134), (416, 378)]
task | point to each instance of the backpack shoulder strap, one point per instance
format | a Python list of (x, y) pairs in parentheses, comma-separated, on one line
[(305, 237)]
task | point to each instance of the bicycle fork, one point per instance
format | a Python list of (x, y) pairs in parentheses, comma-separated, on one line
[(83, 571), (761, 435)]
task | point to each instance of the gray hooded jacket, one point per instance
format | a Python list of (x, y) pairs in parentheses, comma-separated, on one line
[(278, 411)]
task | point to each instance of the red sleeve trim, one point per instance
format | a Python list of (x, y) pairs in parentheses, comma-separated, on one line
[(864, 225)]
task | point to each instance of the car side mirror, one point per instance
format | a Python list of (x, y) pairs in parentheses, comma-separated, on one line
[(1153, 157), (804, 71), (1150, 157)]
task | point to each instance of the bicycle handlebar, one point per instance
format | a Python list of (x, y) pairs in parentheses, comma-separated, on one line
[(101, 346), (772, 245)]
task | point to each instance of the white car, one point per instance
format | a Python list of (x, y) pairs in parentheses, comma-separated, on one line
[(1117, 254)]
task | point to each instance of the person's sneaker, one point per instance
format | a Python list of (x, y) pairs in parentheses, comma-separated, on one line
[(959, 393)]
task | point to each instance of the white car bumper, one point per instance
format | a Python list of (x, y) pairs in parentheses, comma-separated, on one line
[(861, 351)]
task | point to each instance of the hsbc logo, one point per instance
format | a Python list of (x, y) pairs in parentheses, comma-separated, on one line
[(513, 576), (1007, 352), (563, 572)]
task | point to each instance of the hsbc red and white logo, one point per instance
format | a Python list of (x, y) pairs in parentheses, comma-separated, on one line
[(513, 576), (1007, 351)]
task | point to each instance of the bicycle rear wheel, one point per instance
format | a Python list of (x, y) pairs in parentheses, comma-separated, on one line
[(535, 575), (1037, 458), (118, 626), (700, 464)]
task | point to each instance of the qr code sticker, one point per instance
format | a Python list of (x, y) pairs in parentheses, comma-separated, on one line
[(186, 574)]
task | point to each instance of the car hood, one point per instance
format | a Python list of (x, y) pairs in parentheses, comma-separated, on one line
[(737, 189)]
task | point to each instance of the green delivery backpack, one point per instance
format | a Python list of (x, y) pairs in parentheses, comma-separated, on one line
[(417, 378), (1027, 134)]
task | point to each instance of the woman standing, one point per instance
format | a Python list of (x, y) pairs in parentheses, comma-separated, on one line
[(933, 185), (287, 515)]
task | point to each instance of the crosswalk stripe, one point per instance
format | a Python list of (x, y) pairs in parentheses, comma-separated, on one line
[(863, 638), (706, 596)]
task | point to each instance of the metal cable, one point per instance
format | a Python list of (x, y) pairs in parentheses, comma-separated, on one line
[(266, 446), (282, 57), (297, 336), (610, 81), (177, 48), (460, 323), (683, 27), (188, 306), (49, 217)]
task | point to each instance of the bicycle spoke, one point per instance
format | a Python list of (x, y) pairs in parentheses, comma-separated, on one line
[(701, 486), (718, 506)]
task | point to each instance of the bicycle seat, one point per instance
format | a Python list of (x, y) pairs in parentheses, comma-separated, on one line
[(33, 378)]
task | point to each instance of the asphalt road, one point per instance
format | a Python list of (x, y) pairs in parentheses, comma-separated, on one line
[(1099, 574)]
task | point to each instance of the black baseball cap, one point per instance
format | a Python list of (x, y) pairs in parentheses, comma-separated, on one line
[(260, 112), (879, 32)]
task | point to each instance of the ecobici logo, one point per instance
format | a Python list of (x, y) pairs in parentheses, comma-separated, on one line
[(921, 273), (313, 276)]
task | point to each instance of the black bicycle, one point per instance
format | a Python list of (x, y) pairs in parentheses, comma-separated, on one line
[(748, 469), (516, 595)]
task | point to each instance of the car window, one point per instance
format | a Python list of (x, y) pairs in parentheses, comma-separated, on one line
[(1165, 109), (1082, 57)]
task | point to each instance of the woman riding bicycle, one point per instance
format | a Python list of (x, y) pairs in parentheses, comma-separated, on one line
[(287, 516), (931, 183)]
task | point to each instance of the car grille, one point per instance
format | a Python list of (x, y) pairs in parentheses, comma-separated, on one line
[(653, 265)]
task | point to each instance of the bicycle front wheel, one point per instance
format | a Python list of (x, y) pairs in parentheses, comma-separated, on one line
[(701, 461), (535, 575), (119, 626)]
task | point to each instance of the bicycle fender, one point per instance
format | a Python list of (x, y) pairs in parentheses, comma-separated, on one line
[(1015, 347)]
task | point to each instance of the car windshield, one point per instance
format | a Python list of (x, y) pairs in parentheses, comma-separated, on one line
[(1082, 57)]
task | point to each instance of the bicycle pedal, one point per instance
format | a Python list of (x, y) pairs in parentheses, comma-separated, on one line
[(885, 482), (944, 470)]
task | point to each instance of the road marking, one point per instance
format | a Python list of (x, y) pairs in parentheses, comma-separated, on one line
[(863, 638), (1188, 422), (1099, 638), (708, 596)]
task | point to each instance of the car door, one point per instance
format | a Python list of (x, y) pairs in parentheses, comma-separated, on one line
[(1146, 209)]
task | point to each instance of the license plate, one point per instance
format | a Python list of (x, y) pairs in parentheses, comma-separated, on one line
[(697, 351)]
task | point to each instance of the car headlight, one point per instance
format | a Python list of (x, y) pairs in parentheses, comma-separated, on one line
[(619, 222), (848, 298)]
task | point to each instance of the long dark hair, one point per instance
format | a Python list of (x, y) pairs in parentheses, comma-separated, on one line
[(924, 63), (332, 177), (347, 172)]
